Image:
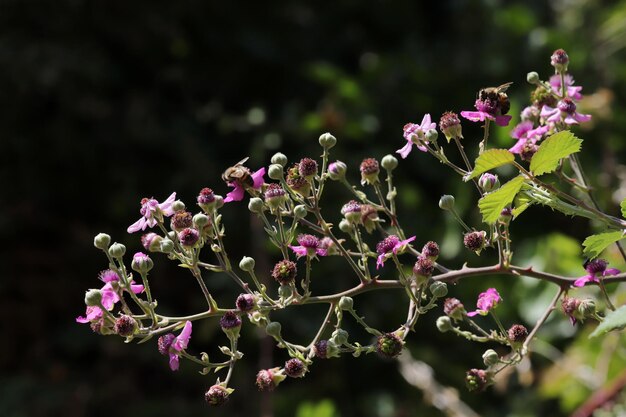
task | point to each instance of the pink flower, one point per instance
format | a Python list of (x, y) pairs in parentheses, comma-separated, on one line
[(595, 268), (179, 344), (525, 134), (416, 134), (572, 91), (486, 301), (390, 244), (487, 109), (238, 191), (565, 111), (309, 246), (152, 211), (110, 296)]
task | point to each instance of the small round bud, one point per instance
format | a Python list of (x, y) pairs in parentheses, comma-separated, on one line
[(230, 324), (275, 172), (200, 220), (247, 264), (165, 342), (454, 309), (517, 334), (477, 380), (423, 269), (125, 325), (389, 345), (389, 162), (327, 140), (217, 395), (307, 168), (93, 298), (432, 135), (188, 237), (167, 245), (346, 303), (273, 329), (369, 171), (337, 170), (559, 60), (151, 242), (444, 324), (285, 272), (344, 226), (488, 182), (446, 202), (325, 349), (295, 368), (285, 291), (438, 289), (491, 357), (299, 211), (339, 337), (255, 205), (117, 250), (102, 241), (431, 250), (352, 212), (587, 308), (279, 159), (475, 241), (178, 206), (532, 77), (245, 302), (206, 198), (141, 263)]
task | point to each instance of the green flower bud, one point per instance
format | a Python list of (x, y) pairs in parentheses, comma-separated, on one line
[(337, 170), (285, 291), (491, 357), (93, 298), (488, 182), (273, 329), (346, 303), (219, 201), (344, 226), (255, 205), (299, 211), (117, 250), (279, 159), (532, 77), (446, 202), (102, 241), (444, 324), (432, 135), (200, 220), (587, 308), (141, 263), (178, 205), (389, 162), (339, 337), (247, 264), (438, 289), (275, 172), (327, 141), (167, 246)]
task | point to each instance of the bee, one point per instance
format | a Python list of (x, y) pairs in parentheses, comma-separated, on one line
[(497, 95), (238, 172)]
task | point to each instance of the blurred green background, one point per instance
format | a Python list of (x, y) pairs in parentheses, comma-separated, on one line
[(105, 102)]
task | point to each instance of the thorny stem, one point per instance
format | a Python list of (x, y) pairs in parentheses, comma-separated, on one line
[(207, 295), (542, 320), (483, 144), (359, 241)]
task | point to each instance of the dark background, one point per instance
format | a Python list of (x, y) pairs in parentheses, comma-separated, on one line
[(105, 102)]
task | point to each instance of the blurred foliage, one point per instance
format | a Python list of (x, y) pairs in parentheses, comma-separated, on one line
[(106, 102)]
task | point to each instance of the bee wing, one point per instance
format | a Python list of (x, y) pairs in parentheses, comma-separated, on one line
[(504, 87), (243, 161)]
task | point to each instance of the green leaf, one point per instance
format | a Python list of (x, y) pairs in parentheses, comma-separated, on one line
[(552, 150), (615, 320), (623, 207), (488, 160), (491, 205), (595, 244), (522, 202)]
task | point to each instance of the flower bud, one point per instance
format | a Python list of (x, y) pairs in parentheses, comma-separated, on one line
[(268, 379), (326, 349), (517, 334), (275, 196), (230, 324), (125, 325), (217, 395), (255, 205), (275, 171), (446, 202), (532, 77), (200, 220), (167, 245), (247, 264), (423, 269), (339, 337), (307, 168), (93, 298), (389, 162), (432, 135), (488, 182), (454, 309), (295, 368), (141, 263), (102, 241), (206, 199), (273, 329), (389, 345), (346, 303), (327, 140), (178, 206), (285, 291), (279, 159), (431, 250), (491, 357), (245, 302), (151, 242), (477, 380), (352, 212), (337, 170), (587, 308), (117, 250), (444, 324), (475, 241), (559, 60), (344, 226), (438, 289), (299, 211), (369, 171), (450, 125), (189, 237), (219, 201)]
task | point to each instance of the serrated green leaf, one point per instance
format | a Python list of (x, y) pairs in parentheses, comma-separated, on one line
[(491, 205), (595, 244), (522, 202), (615, 320), (488, 160), (623, 207), (552, 150)]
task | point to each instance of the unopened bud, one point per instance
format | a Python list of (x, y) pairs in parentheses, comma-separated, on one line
[(346, 303), (273, 329), (279, 159), (178, 205), (532, 77), (446, 202), (117, 250), (444, 324), (587, 308), (488, 182), (141, 263), (93, 298), (337, 170), (285, 291), (275, 172), (327, 141), (167, 245), (247, 264), (299, 211), (102, 241), (344, 226), (339, 337), (389, 162), (432, 135), (438, 289), (200, 220), (491, 357), (255, 205)]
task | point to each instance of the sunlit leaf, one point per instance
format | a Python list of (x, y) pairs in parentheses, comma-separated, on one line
[(595, 244), (615, 320), (488, 160), (491, 205), (552, 150)]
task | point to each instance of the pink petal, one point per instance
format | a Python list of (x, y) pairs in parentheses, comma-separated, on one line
[(181, 342), (174, 362), (426, 123), (92, 313), (300, 251), (236, 194), (472, 313), (166, 206), (137, 289), (570, 120), (580, 282), (574, 92), (380, 261), (503, 120), (257, 178), (406, 150), (547, 111), (321, 251), (519, 146), (521, 129), (137, 226), (582, 117), (611, 271), (403, 243), (474, 116)]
